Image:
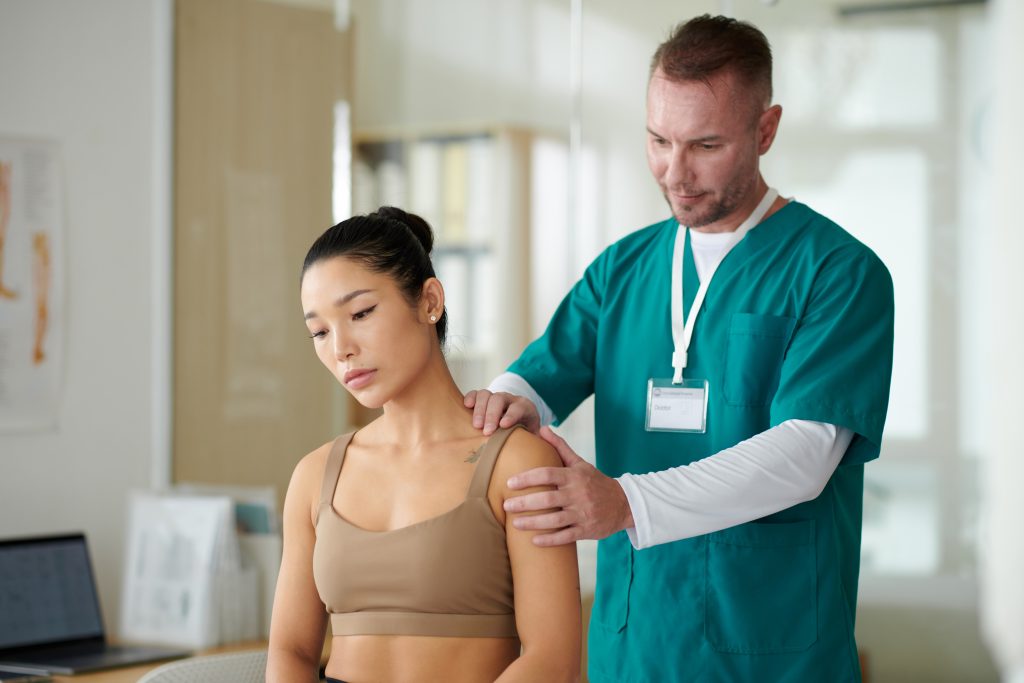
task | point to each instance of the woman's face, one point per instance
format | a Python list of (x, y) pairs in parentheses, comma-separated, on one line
[(364, 330)]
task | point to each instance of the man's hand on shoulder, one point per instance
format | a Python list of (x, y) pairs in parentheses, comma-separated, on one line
[(500, 409), (585, 504)]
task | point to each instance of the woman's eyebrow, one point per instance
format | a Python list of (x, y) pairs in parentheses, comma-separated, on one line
[(341, 301)]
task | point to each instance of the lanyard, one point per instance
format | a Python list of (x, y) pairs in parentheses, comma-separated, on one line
[(682, 332)]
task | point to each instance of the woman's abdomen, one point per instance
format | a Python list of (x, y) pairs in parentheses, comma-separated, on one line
[(414, 659)]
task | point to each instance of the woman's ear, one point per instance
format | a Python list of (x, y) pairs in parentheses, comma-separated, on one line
[(432, 300)]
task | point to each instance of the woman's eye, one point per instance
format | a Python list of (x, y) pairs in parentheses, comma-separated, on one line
[(363, 313), (318, 334)]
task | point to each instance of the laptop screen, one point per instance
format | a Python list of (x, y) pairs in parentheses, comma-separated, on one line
[(47, 592)]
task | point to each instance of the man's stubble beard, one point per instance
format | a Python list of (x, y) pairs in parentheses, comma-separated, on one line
[(731, 198)]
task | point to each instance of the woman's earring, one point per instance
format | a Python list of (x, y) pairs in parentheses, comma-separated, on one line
[(433, 318)]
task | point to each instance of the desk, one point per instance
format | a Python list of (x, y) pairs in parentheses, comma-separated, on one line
[(132, 674)]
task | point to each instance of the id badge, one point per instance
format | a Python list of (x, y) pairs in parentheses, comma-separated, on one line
[(677, 407)]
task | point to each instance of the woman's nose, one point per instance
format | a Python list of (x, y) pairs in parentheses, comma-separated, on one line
[(344, 347)]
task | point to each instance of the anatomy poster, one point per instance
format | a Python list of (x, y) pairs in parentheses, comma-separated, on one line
[(31, 284)]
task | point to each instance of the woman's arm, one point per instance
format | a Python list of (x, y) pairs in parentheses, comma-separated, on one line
[(299, 619), (547, 581)]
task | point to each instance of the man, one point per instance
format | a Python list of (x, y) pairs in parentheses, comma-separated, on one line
[(740, 355)]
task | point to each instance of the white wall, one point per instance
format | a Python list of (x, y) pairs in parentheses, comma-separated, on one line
[(460, 63), (94, 77), (1003, 549)]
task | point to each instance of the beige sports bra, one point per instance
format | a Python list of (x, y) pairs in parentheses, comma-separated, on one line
[(448, 575)]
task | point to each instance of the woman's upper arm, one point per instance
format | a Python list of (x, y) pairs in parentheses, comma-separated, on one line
[(299, 619), (547, 582)]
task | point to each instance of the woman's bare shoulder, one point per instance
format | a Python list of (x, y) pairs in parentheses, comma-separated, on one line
[(524, 451), (304, 488), (310, 469)]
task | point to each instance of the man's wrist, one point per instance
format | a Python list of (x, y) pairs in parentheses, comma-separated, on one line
[(626, 517), (638, 528)]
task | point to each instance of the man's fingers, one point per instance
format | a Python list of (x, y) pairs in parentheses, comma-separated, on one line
[(567, 454), (496, 405), (538, 476), (534, 502), (500, 409), (513, 415), (547, 522), (480, 401), (521, 411)]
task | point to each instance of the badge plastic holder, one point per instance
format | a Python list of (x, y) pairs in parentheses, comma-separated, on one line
[(679, 407)]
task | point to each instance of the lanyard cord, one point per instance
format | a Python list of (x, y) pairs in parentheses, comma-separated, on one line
[(682, 332)]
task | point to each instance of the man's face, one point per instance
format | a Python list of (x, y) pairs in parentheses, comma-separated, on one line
[(703, 147)]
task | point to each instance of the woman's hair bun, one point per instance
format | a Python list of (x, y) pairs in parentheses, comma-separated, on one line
[(389, 241), (417, 225)]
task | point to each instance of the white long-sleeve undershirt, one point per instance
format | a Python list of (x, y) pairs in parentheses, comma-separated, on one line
[(788, 464), (771, 471)]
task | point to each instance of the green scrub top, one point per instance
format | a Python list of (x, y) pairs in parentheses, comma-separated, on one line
[(797, 324)]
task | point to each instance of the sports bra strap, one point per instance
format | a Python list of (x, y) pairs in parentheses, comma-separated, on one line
[(333, 469), (485, 465)]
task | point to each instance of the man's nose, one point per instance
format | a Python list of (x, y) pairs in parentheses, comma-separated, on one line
[(679, 172)]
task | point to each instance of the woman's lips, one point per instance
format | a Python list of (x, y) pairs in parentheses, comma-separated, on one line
[(355, 379)]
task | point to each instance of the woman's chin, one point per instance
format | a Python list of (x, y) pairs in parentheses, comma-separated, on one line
[(369, 402), (372, 400)]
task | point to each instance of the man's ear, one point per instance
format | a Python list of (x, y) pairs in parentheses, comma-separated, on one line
[(767, 127)]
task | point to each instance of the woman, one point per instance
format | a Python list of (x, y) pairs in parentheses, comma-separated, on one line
[(397, 533)]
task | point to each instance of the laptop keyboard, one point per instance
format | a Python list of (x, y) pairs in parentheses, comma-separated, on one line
[(74, 650)]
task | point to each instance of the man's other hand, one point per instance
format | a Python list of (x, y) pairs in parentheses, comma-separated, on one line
[(493, 410)]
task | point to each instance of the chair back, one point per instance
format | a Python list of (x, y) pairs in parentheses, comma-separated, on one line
[(235, 667)]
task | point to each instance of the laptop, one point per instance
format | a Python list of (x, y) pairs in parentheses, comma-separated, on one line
[(50, 620)]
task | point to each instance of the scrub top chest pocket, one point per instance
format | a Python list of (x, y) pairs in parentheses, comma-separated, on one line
[(755, 348)]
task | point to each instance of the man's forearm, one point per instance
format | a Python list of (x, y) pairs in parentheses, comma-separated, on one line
[(774, 470)]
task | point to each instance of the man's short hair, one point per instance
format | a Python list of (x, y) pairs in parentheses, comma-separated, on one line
[(707, 45)]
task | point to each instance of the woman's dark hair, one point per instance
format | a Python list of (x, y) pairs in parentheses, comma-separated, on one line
[(390, 241)]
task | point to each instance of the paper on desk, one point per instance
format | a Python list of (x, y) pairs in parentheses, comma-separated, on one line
[(176, 547)]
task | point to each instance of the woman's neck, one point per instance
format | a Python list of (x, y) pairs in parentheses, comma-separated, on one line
[(430, 409)]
